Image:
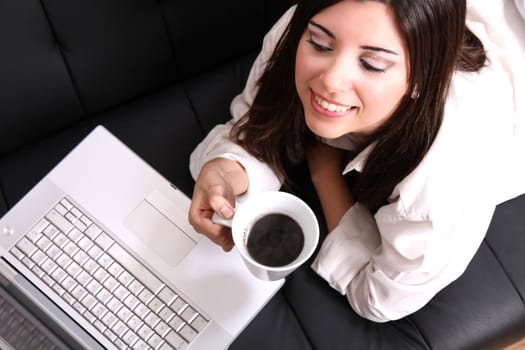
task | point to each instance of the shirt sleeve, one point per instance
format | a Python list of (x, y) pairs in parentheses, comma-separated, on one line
[(217, 143), (389, 266)]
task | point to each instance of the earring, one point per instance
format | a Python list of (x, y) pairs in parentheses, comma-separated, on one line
[(414, 95)]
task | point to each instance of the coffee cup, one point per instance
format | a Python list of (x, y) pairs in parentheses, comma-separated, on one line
[(275, 232)]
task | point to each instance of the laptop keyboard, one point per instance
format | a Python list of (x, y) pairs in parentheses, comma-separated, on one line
[(112, 290)]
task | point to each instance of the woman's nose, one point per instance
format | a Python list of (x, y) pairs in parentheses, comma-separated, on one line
[(339, 75)]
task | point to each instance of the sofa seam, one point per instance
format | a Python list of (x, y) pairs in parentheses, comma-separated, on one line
[(423, 338), (299, 323), (2, 193), (502, 266), (193, 109), (167, 31), (62, 55)]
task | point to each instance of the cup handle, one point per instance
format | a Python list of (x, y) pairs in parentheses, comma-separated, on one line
[(221, 221)]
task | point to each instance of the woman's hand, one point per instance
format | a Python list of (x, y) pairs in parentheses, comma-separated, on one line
[(326, 165), (219, 181)]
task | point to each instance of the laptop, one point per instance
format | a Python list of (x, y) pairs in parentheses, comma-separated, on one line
[(103, 247)]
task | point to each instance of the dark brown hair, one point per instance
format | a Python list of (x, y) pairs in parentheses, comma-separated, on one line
[(438, 43)]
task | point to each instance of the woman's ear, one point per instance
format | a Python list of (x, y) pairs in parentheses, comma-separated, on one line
[(415, 93)]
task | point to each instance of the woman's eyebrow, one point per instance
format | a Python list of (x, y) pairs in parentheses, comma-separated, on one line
[(324, 29), (378, 49), (364, 47)]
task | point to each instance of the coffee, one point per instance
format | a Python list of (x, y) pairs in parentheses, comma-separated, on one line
[(275, 240)]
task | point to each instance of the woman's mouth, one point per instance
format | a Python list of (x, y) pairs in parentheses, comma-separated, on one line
[(331, 107), (327, 108)]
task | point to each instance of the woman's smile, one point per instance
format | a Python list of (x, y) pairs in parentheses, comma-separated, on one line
[(329, 108)]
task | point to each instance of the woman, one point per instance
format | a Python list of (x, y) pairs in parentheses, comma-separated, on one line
[(405, 162)]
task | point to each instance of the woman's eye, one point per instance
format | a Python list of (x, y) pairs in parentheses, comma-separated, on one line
[(371, 67), (316, 44)]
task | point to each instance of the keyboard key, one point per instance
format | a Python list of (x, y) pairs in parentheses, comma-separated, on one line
[(59, 221), (103, 241), (145, 296), (140, 345), (77, 213), (178, 305), (188, 333), (109, 320), (60, 240), (89, 301), (166, 314), (154, 341), (26, 247), (85, 243), (125, 278), (93, 231), (66, 203), (119, 328), (124, 314), (188, 314), (155, 304), (61, 209), (151, 319), (130, 337), (38, 257), (75, 234), (50, 231), (176, 340), (135, 287), (90, 265), (162, 328), (114, 305), (131, 301), (53, 251), (110, 283), (176, 322), (79, 292), (134, 323), (110, 335), (167, 295)]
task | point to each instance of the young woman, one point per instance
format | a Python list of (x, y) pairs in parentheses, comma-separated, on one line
[(409, 130)]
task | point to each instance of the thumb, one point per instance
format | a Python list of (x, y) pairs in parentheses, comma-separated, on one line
[(226, 211)]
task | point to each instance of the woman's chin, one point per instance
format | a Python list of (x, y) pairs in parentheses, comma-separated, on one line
[(327, 132)]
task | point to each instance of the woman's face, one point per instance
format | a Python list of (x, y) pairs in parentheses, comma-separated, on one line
[(351, 68)]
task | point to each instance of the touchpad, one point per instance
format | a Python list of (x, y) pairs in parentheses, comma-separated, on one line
[(159, 233)]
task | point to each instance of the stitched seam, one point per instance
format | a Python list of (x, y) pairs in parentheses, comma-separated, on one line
[(63, 56), (299, 323), (2, 193), (194, 110), (505, 271), (166, 28), (423, 338)]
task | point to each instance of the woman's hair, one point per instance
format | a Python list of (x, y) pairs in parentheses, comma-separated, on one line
[(438, 42)]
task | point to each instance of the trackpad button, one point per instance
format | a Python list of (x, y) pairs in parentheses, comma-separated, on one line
[(159, 233)]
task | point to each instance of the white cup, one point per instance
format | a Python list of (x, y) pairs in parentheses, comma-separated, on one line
[(260, 205)]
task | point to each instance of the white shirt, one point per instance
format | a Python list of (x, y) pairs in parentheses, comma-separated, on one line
[(392, 263)]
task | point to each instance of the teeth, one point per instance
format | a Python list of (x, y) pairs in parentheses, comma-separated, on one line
[(330, 106)]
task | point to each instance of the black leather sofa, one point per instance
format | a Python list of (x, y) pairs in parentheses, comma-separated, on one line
[(160, 75)]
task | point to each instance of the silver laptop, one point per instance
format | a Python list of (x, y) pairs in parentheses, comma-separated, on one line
[(102, 244)]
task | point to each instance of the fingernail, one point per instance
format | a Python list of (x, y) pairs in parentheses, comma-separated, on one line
[(226, 212)]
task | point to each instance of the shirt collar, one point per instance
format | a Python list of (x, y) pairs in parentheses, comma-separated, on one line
[(358, 163)]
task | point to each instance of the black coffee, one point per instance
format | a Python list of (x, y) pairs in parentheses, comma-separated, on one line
[(275, 240)]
